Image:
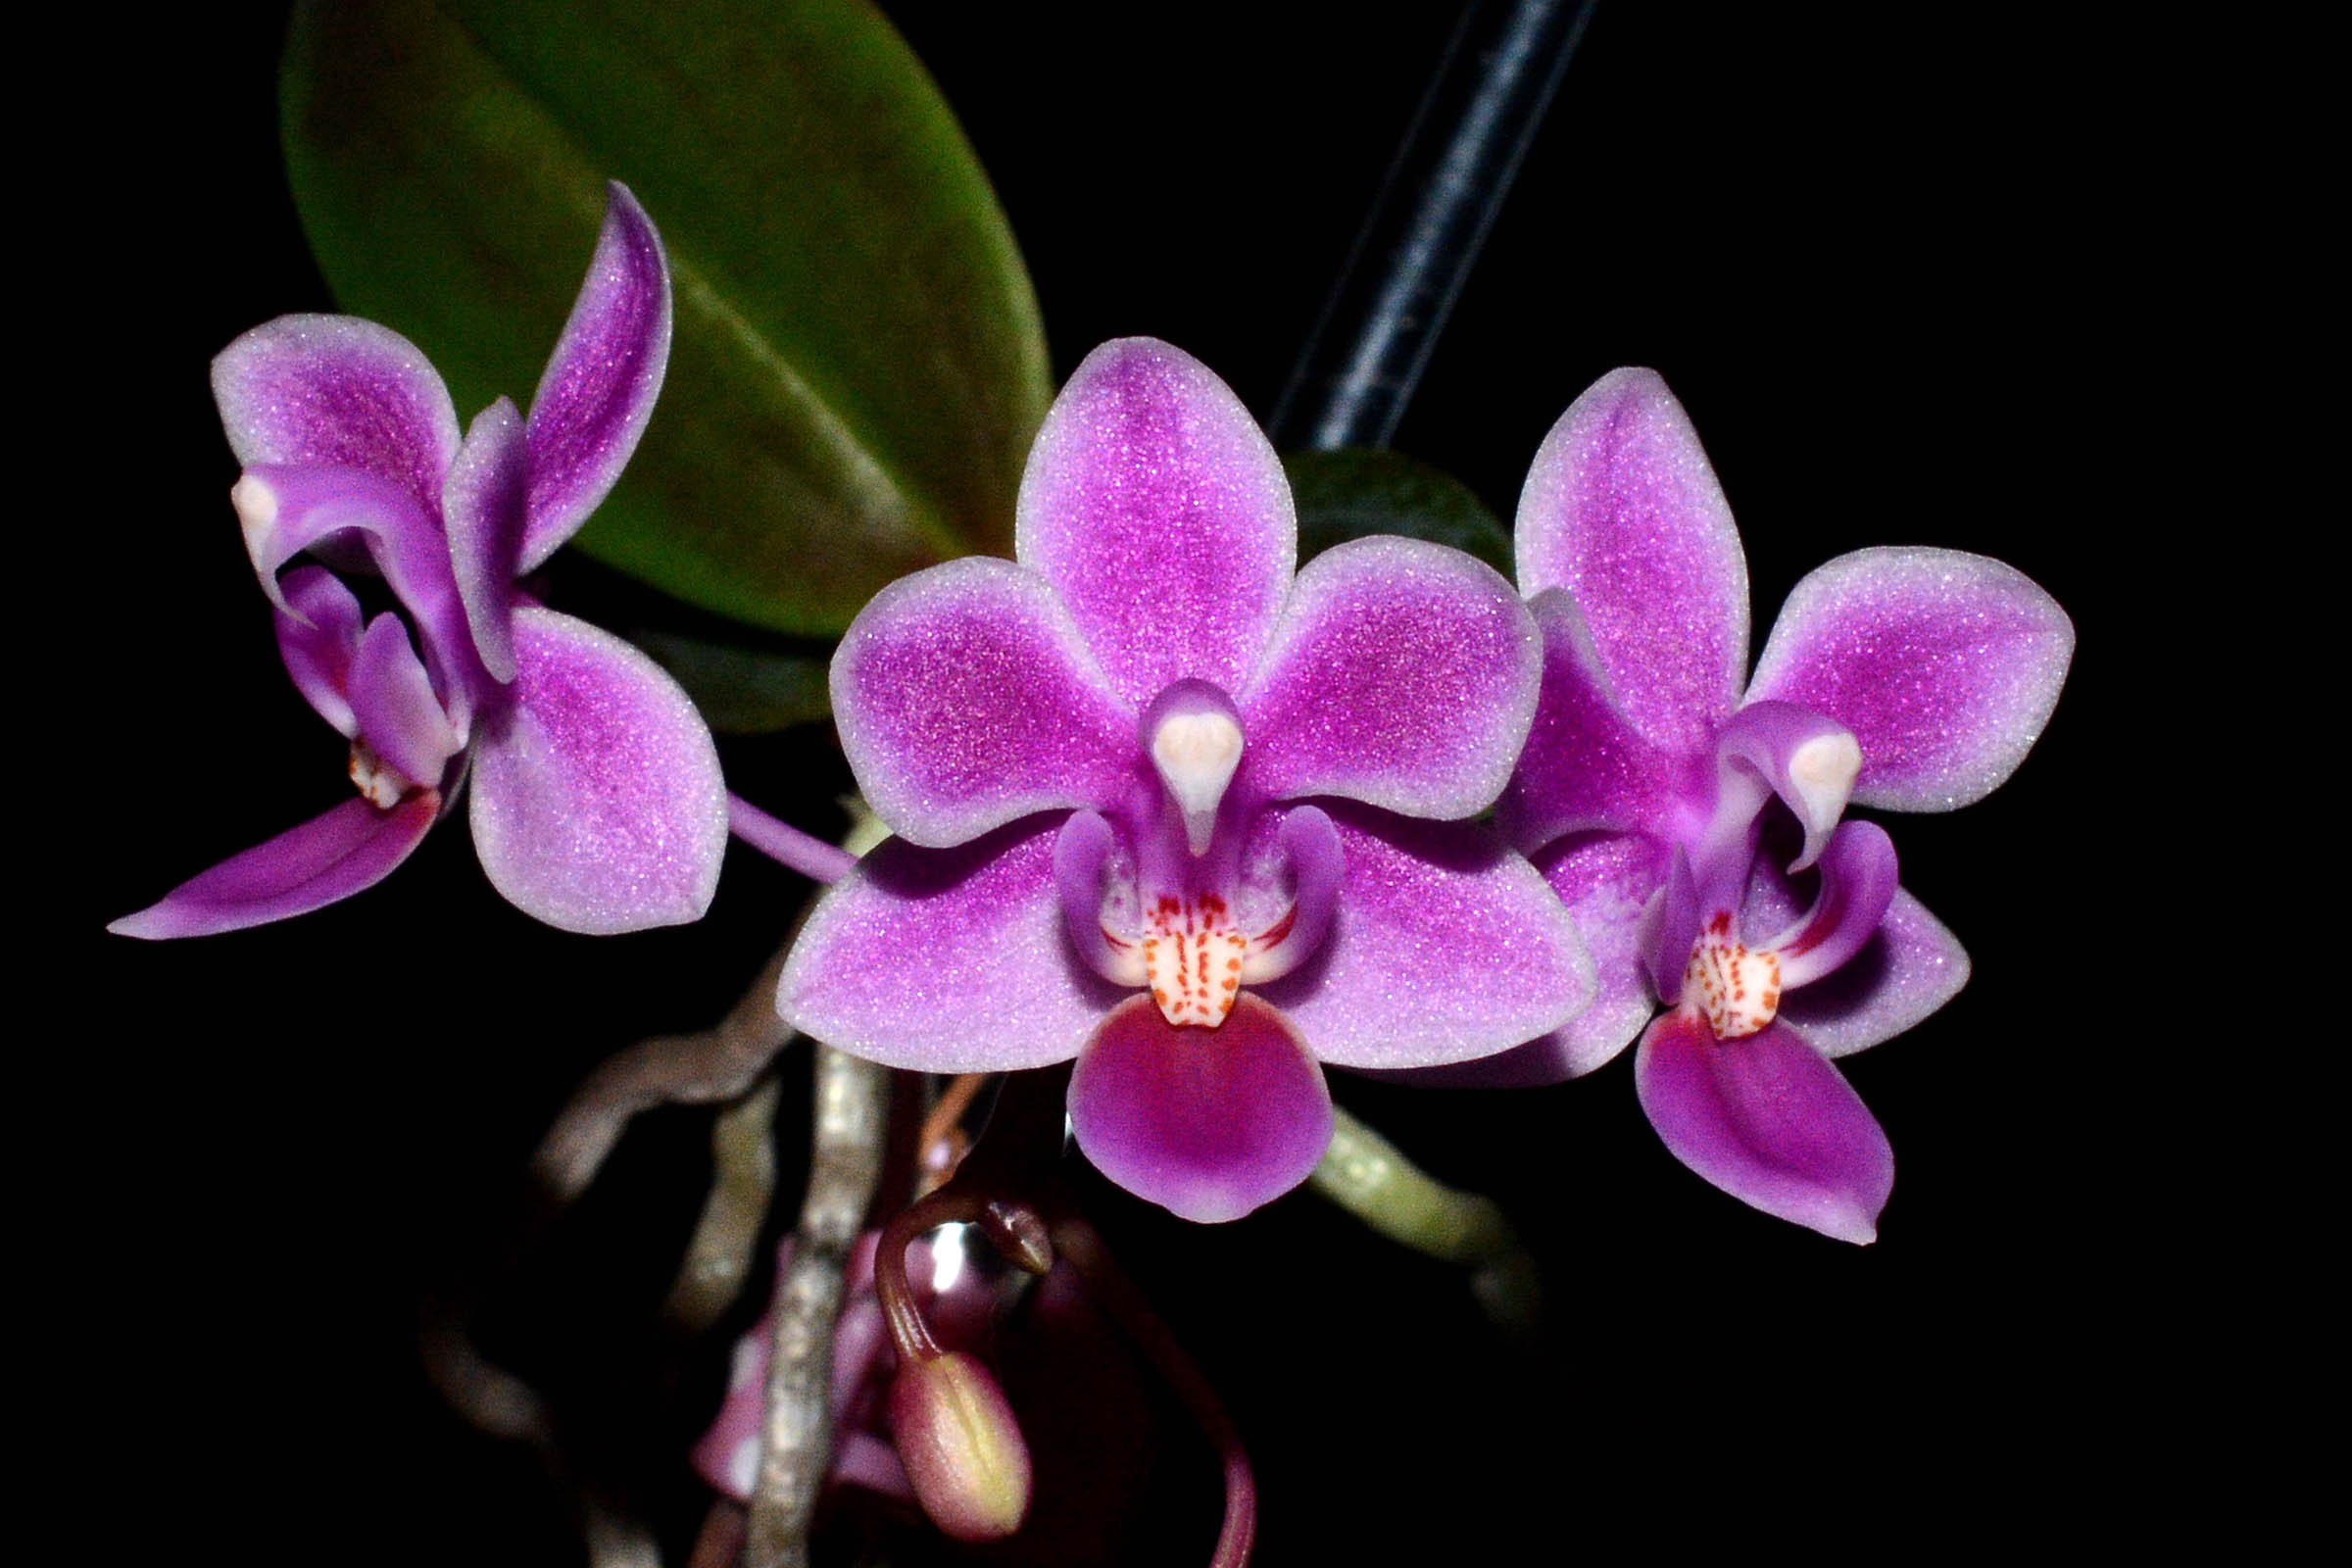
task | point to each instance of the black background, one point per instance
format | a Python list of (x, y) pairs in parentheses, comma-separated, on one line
[(1875, 254)]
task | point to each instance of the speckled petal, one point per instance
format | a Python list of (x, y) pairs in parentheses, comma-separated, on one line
[(482, 506), (339, 391), (1207, 1123), (1585, 766), (1605, 880), (966, 699), (596, 802), (329, 857), (393, 700), (1769, 1121), (1401, 673), (317, 639), (600, 384), (1622, 509), (1911, 966), (1945, 666), (1155, 506), (1447, 946), (947, 961)]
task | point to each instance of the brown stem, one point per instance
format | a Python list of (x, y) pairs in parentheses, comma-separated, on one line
[(718, 1064), (1117, 1294), (908, 1332), (796, 1436), (743, 1183)]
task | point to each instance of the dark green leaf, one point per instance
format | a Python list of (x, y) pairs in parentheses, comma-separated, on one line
[(858, 367), (743, 691), (1357, 491)]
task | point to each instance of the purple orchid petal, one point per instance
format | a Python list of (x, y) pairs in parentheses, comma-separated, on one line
[(1207, 1123), (598, 805), (966, 698), (329, 857), (1082, 852), (286, 511), (1156, 509), (393, 699), (599, 387), (1945, 666), (1622, 509), (1910, 967), (1585, 766), (483, 507), (1769, 1121), (1808, 760), (1606, 881), (318, 636), (1857, 885), (1446, 947), (947, 961), (1402, 675), (338, 391)]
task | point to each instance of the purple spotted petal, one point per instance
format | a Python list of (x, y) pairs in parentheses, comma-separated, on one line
[(1446, 947), (329, 857), (1153, 505), (286, 511), (1207, 1123), (1768, 1120), (1945, 666), (1401, 673), (599, 387), (393, 700), (947, 961), (966, 698), (483, 507), (1605, 880), (1908, 969), (1857, 886), (1585, 766), (318, 636), (598, 805), (1622, 509), (338, 391)]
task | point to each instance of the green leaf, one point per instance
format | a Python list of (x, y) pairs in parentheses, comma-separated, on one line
[(1356, 491), (743, 691), (858, 365)]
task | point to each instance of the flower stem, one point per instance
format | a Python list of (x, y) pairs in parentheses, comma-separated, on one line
[(785, 843), (1417, 246), (1364, 1174), (1108, 1283)]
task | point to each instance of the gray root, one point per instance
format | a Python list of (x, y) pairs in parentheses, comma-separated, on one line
[(853, 1103)]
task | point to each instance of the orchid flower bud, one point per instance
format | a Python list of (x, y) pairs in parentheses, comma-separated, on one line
[(961, 1446)]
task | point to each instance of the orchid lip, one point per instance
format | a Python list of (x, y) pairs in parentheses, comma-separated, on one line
[(1194, 735)]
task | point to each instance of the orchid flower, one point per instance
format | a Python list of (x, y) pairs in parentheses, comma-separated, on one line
[(1907, 680), (597, 802), (1161, 807)]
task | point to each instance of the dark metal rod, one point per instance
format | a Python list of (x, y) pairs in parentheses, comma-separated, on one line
[(1448, 180)]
